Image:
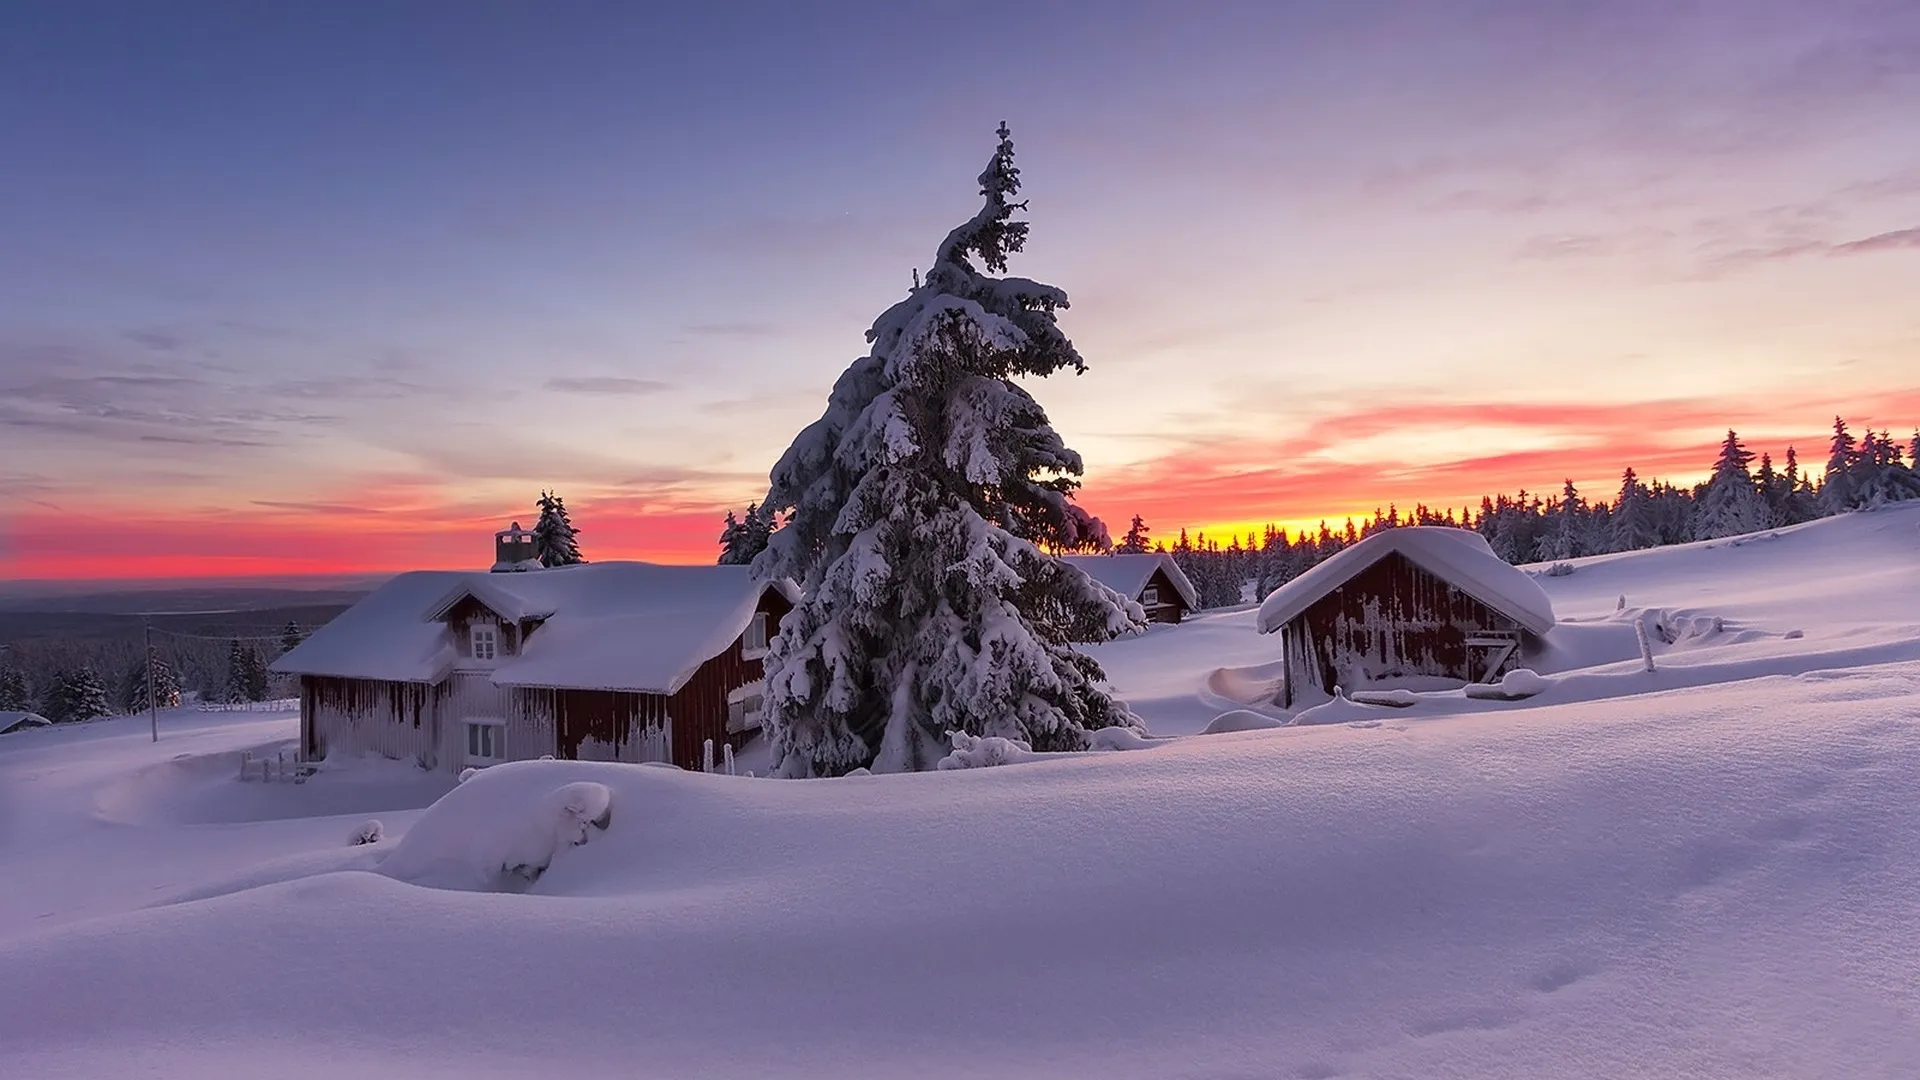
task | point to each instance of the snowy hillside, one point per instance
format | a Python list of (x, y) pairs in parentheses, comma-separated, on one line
[(1711, 870)]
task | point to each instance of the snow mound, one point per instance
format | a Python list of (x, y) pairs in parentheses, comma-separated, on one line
[(370, 832), (1117, 738), (1341, 710), (500, 831), (1241, 720), (983, 751), (1513, 686)]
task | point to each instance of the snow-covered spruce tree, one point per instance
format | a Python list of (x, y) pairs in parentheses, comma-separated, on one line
[(555, 541), (742, 539), (290, 635), (246, 674), (1632, 525), (1838, 488), (78, 694), (1883, 477), (166, 687), (15, 694), (1730, 505), (1138, 539), (916, 511)]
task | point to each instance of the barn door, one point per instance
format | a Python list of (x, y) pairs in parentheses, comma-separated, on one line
[(1488, 654)]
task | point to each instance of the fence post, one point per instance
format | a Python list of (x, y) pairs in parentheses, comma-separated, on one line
[(706, 756)]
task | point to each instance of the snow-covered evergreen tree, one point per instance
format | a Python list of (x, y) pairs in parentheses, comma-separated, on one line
[(1563, 542), (915, 507), (1730, 505), (555, 541), (1138, 540), (1880, 474), (246, 673), (744, 538), (15, 694), (1632, 525), (166, 687), (1838, 489), (76, 695), (290, 635)]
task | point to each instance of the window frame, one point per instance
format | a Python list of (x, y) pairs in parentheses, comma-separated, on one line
[(756, 627), (489, 634), (497, 741), (752, 701), (1150, 596)]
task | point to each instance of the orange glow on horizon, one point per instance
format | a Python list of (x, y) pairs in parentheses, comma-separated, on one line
[(1206, 489)]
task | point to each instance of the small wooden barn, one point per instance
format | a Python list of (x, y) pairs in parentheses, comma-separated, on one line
[(1152, 579), (1404, 605), (614, 661)]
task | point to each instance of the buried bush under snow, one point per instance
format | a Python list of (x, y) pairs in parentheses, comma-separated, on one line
[(981, 751), (369, 832), (500, 830)]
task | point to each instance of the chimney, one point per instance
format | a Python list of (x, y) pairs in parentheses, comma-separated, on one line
[(513, 550)]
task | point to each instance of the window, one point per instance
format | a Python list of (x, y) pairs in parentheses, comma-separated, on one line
[(486, 743), (744, 707), (1150, 596), (486, 642), (754, 641)]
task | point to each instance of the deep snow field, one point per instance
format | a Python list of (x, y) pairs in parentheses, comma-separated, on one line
[(1710, 870)]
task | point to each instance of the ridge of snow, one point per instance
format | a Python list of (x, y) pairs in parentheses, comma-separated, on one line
[(1461, 557)]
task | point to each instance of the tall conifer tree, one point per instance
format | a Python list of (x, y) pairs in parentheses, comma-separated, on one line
[(916, 507)]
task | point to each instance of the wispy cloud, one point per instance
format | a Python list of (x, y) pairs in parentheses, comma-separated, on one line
[(607, 384), (731, 329), (1898, 239)]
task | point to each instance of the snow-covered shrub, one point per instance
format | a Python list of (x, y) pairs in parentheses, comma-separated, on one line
[(1560, 569), (369, 832), (468, 774), (1240, 720), (983, 751), (501, 831), (1117, 738)]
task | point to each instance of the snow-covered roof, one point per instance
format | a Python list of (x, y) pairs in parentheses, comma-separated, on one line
[(609, 625), (14, 719), (1128, 574), (1460, 557)]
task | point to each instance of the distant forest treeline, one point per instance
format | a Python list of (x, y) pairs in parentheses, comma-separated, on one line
[(1739, 497), (69, 666)]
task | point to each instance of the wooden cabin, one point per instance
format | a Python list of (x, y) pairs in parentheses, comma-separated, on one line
[(1151, 579), (1404, 606), (615, 661)]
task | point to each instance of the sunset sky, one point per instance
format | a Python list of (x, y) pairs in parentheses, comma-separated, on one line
[(342, 288)]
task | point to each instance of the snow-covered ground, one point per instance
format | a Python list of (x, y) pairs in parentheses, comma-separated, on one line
[(1710, 870)]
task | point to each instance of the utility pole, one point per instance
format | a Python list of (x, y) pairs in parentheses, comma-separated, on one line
[(153, 707)]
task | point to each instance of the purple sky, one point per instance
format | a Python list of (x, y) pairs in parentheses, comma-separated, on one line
[(269, 277)]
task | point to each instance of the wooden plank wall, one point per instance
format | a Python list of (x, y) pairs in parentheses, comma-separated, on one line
[(365, 716)]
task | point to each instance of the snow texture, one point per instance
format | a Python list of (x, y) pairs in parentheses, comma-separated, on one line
[(609, 626), (1127, 574), (1240, 720), (1460, 557)]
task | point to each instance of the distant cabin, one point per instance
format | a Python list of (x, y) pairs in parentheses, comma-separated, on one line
[(1404, 605), (1152, 579), (20, 721), (613, 661)]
